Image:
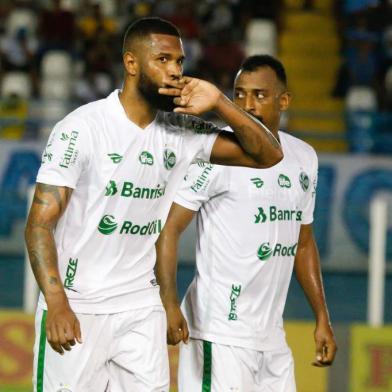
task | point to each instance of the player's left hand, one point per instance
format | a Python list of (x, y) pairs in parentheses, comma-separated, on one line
[(325, 345), (195, 97), (177, 327)]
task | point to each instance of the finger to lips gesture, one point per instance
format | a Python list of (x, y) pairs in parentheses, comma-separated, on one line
[(195, 97)]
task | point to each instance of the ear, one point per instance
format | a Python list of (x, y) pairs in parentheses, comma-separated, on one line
[(284, 101), (130, 63)]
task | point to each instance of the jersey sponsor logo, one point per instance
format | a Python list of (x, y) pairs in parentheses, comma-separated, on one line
[(257, 182), (111, 188), (169, 159), (235, 293), (47, 156), (107, 224), (64, 137), (304, 181), (202, 180), (202, 127), (146, 158), (153, 227), (275, 214), (70, 274), (265, 251), (70, 153), (284, 181), (128, 189), (116, 158)]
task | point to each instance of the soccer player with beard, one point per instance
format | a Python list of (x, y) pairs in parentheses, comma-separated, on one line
[(109, 174), (253, 227)]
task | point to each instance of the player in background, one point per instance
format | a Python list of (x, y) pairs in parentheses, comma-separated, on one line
[(109, 174), (253, 227)]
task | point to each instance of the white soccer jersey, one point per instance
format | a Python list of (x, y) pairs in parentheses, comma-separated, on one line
[(248, 227), (124, 180)]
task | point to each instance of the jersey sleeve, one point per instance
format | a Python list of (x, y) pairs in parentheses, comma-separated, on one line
[(202, 182), (66, 154), (202, 135), (310, 193)]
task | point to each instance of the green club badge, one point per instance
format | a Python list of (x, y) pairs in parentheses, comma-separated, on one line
[(304, 181), (169, 159)]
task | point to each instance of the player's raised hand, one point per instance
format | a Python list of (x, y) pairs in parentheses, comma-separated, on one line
[(62, 327), (325, 345), (196, 97), (177, 327)]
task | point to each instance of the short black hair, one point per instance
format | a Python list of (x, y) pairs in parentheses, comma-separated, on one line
[(265, 60), (145, 26)]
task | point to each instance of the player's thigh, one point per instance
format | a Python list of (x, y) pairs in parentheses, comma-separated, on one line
[(277, 371), (139, 360), (82, 369), (216, 367)]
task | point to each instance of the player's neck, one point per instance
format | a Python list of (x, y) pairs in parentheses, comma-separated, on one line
[(137, 109)]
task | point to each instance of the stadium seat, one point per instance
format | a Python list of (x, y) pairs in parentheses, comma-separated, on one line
[(21, 19), (56, 64), (261, 37), (52, 88), (18, 83), (51, 112), (361, 98)]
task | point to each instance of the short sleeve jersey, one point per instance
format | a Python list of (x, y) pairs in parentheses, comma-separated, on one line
[(248, 226), (124, 180)]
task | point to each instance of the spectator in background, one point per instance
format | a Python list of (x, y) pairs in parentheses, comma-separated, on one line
[(221, 58), (17, 51), (57, 29)]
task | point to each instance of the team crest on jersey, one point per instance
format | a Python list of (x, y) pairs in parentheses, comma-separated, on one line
[(304, 181), (169, 159)]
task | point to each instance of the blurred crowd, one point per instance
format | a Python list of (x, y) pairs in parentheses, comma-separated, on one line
[(90, 33), (365, 29), (63, 53)]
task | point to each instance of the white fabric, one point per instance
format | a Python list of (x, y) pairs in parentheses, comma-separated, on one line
[(124, 179), (248, 226), (120, 352), (235, 369)]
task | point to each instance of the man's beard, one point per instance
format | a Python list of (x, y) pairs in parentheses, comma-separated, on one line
[(149, 90)]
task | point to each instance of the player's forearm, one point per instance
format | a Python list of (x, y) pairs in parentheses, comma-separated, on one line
[(166, 267), (257, 141), (43, 259), (308, 273)]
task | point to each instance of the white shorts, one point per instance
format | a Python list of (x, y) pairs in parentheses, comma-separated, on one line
[(212, 367), (121, 352)]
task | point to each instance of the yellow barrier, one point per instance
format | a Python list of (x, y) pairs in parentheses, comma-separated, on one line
[(371, 359)]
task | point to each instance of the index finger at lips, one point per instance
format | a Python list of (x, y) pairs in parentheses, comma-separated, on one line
[(175, 92)]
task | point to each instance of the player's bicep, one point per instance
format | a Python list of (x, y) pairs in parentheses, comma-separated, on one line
[(49, 203), (178, 219), (227, 151)]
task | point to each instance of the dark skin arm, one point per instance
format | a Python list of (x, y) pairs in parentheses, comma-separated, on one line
[(251, 145), (49, 203), (166, 271), (308, 273)]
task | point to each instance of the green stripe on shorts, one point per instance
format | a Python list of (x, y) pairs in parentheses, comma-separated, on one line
[(207, 367), (41, 354)]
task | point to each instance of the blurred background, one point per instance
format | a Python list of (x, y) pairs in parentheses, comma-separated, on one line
[(58, 54)]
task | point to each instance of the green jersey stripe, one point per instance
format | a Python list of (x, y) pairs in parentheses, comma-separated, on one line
[(207, 367), (41, 354)]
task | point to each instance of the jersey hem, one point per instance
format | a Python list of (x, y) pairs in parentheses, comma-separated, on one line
[(249, 343)]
